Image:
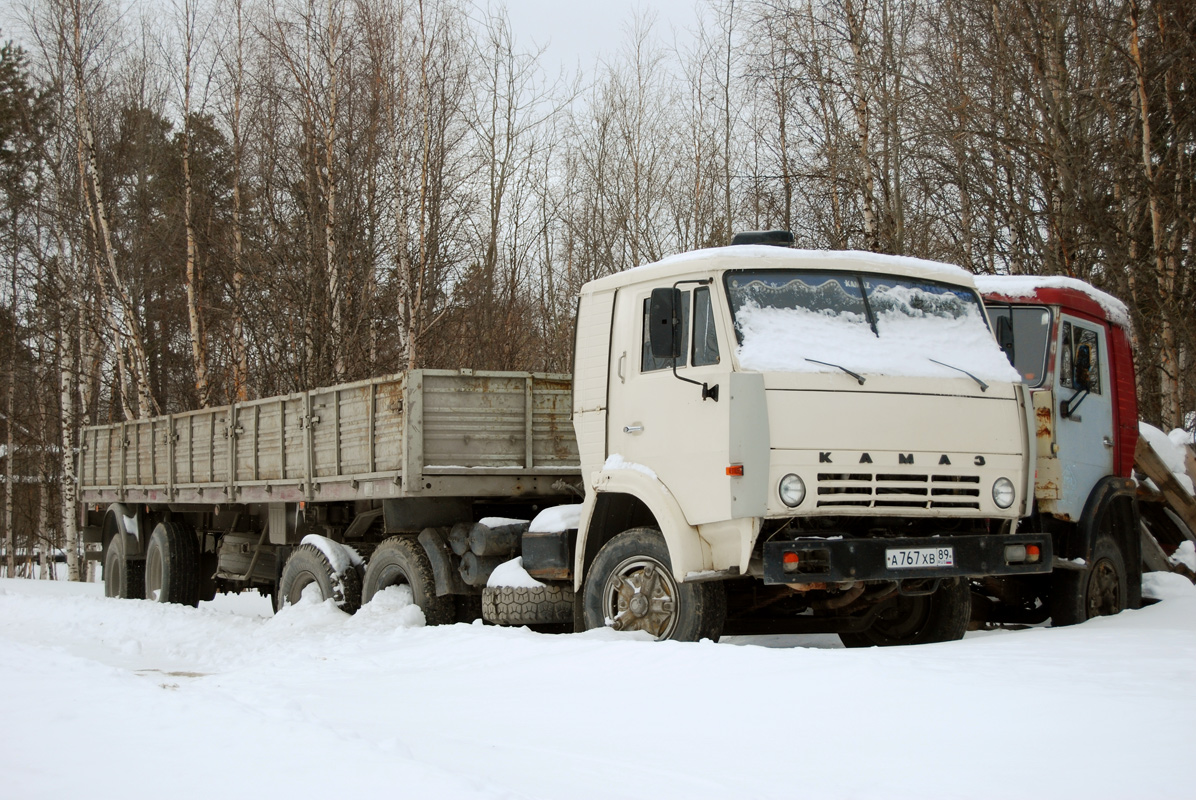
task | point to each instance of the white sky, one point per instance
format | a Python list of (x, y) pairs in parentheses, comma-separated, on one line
[(579, 32)]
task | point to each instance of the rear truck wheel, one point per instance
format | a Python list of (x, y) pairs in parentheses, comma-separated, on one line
[(306, 567), (941, 616), (123, 577), (172, 565), (527, 605), (630, 587), (1098, 590), (401, 561)]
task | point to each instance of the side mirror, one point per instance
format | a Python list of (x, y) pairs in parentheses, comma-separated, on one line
[(1005, 336), (1083, 364), (664, 323)]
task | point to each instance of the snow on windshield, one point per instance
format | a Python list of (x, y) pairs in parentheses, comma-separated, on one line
[(787, 320)]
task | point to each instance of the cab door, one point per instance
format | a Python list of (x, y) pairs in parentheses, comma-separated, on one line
[(1085, 410), (661, 423)]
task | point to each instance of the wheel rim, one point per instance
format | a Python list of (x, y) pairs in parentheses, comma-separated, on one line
[(1104, 590), (641, 595), (153, 575)]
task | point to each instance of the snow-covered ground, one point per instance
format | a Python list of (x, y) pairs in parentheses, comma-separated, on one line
[(127, 699)]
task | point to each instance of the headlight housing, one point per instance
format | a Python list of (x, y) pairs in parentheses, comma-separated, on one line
[(792, 490), (1003, 492)]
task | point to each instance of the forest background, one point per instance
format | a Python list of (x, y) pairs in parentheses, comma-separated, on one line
[(205, 202)]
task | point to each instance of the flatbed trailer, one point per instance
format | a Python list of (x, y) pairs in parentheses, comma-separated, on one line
[(420, 434)]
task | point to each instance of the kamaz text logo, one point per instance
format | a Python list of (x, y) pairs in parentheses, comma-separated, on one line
[(902, 458)]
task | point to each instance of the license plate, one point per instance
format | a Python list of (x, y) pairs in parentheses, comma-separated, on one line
[(919, 557)]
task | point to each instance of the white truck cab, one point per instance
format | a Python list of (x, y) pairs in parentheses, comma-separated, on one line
[(834, 432)]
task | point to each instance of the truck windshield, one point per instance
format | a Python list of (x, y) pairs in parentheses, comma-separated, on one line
[(842, 295), (788, 320)]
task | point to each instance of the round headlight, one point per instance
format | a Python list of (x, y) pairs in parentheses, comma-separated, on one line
[(1003, 493), (792, 490)]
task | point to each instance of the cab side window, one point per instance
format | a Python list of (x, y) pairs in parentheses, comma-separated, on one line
[(648, 362), (705, 345), (1079, 358)]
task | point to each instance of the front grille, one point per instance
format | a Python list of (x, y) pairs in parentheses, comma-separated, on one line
[(887, 490)]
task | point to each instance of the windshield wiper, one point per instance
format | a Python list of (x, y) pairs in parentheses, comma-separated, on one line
[(855, 375), (983, 385)]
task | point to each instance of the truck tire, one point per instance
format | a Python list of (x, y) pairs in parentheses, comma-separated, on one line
[(942, 616), (401, 560), (630, 586), (308, 566), (532, 605), (172, 565), (1098, 590), (123, 577)]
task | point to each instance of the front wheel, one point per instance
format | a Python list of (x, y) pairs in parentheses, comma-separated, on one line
[(941, 616), (630, 587), (1096, 591)]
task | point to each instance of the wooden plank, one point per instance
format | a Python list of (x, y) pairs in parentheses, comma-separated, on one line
[(529, 407), (1153, 557), (1147, 461)]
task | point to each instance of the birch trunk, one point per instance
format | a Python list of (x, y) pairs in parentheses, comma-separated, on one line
[(1169, 409), (860, 102), (199, 350), (98, 215)]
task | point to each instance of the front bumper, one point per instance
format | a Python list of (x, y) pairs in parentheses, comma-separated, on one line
[(842, 559)]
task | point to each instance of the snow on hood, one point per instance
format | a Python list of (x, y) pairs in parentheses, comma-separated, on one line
[(783, 339)]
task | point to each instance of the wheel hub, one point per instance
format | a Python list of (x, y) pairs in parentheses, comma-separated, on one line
[(1103, 590), (642, 597)]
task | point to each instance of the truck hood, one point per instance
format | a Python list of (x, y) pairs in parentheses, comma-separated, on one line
[(834, 413)]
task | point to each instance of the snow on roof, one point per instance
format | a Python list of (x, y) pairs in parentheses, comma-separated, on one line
[(772, 257), (837, 258), (1027, 286)]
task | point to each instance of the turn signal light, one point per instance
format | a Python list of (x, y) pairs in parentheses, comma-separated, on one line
[(1033, 553), (790, 561), (735, 470)]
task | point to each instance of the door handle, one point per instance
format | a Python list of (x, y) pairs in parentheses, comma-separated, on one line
[(1107, 441), (633, 429)]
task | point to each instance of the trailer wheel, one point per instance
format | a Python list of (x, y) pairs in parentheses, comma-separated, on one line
[(401, 560), (942, 616), (532, 605), (123, 577), (1096, 591), (631, 587), (172, 565), (308, 566)]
